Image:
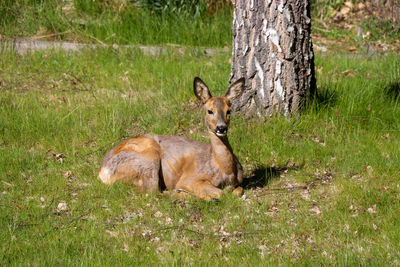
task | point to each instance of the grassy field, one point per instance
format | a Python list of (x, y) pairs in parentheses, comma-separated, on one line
[(119, 22), (183, 22), (323, 188)]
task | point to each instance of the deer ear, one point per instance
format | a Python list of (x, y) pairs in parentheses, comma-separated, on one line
[(235, 90), (201, 90)]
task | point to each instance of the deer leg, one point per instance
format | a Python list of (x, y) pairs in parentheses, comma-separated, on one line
[(201, 188), (238, 191), (178, 194), (205, 190)]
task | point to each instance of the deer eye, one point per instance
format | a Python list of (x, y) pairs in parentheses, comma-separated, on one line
[(210, 112), (228, 112)]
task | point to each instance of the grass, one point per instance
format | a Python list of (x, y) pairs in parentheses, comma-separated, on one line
[(189, 23), (112, 22), (323, 187)]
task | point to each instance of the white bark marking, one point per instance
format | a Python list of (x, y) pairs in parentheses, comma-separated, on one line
[(260, 73), (278, 67), (308, 20), (287, 15), (234, 18), (280, 7), (279, 89), (251, 3), (242, 18), (264, 30), (272, 34), (245, 50), (286, 109)]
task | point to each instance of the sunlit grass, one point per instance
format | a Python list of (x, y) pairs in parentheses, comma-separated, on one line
[(106, 22), (325, 186)]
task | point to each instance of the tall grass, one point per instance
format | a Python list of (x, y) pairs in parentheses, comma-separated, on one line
[(323, 189), (116, 22)]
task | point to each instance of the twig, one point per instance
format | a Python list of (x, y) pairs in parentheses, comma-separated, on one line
[(214, 234), (49, 35), (178, 227)]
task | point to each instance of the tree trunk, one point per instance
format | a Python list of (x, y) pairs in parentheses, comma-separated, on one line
[(272, 49)]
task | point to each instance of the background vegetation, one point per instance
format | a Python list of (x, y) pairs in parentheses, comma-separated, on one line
[(323, 188), (194, 22)]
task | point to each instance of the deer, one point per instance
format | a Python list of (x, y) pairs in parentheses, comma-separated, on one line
[(179, 165)]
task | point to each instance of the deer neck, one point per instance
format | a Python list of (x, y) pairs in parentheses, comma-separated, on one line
[(222, 154)]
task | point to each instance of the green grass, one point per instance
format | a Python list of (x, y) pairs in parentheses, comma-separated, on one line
[(189, 23), (344, 147), (112, 22)]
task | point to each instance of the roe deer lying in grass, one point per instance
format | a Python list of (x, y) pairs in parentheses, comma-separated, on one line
[(152, 162)]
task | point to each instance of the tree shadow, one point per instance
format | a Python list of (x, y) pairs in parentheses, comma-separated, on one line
[(262, 175), (323, 97), (392, 91)]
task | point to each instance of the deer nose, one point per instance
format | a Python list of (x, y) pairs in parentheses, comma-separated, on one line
[(221, 130)]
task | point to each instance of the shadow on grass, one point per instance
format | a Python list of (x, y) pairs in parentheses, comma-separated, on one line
[(262, 175), (392, 91), (323, 98)]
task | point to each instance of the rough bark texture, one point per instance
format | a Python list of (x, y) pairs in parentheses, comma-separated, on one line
[(272, 49)]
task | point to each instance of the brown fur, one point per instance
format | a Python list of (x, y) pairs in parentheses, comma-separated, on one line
[(147, 147), (151, 162)]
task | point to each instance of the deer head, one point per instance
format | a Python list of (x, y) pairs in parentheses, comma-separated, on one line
[(217, 108)]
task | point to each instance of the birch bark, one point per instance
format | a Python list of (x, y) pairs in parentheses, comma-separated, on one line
[(272, 49)]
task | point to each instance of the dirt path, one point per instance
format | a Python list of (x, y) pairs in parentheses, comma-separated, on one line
[(22, 47)]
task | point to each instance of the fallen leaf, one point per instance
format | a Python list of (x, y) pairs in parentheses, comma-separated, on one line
[(338, 17), (319, 48), (158, 214), (62, 206), (385, 136), (345, 10), (315, 209), (147, 233), (349, 73), (273, 209), (305, 194), (348, 4), (7, 184), (351, 48), (372, 210), (319, 69), (111, 233), (58, 156), (66, 173)]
